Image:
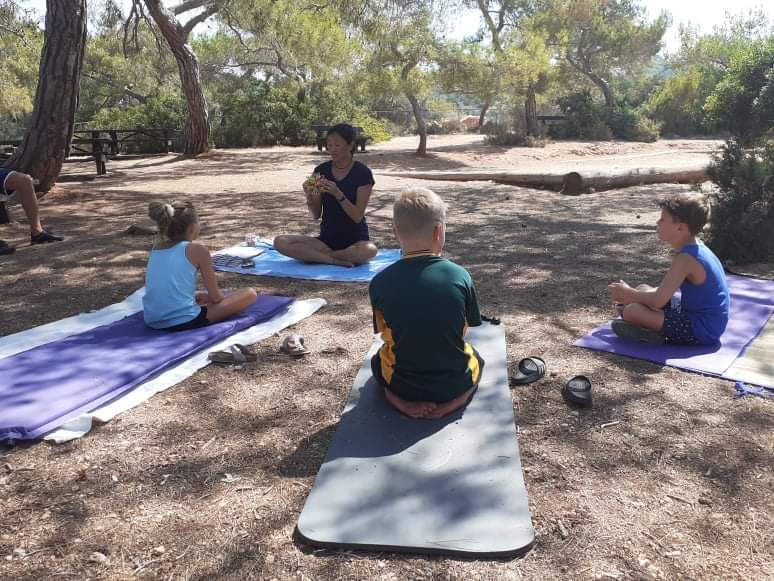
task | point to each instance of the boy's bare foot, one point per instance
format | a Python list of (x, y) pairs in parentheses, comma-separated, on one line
[(444, 409), (413, 409)]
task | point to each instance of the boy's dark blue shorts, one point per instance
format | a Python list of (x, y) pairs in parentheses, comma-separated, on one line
[(5, 173), (678, 328)]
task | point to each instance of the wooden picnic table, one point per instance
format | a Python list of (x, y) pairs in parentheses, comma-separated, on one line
[(322, 130)]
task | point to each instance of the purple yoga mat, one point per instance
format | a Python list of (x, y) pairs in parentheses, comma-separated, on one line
[(752, 303), (44, 387)]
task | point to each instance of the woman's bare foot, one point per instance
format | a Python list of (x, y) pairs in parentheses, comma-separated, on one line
[(338, 262), (444, 409), (413, 409)]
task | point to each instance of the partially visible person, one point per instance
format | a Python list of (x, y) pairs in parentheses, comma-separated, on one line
[(422, 306), (171, 302), (18, 186), (339, 197), (700, 315)]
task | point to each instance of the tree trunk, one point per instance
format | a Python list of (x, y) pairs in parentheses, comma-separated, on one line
[(604, 86), (482, 114), (530, 112), (43, 150), (197, 128), (421, 125)]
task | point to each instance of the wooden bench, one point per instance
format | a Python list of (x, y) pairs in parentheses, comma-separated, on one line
[(322, 130)]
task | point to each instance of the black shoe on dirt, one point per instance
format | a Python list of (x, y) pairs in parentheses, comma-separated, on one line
[(44, 237), (6, 248)]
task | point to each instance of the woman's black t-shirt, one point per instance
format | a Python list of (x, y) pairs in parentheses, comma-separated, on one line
[(337, 230)]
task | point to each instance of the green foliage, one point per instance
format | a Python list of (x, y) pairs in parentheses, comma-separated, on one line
[(743, 213), (585, 119), (503, 136), (20, 46), (743, 101), (157, 113), (264, 114), (377, 129), (627, 124), (678, 105)]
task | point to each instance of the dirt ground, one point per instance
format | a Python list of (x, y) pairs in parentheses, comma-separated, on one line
[(666, 477)]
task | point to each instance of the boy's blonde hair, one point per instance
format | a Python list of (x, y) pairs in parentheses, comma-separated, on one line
[(416, 212)]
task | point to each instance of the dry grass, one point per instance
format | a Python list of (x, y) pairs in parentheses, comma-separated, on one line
[(680, 488)]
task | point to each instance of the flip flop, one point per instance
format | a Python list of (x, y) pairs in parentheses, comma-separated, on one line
[(577, 391), (626, 330), (237, 353), (294, 346), (530, 369), (6, 248)]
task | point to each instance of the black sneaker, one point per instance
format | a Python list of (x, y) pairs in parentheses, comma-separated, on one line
[(44, 237), (633, 332), (6, 248)]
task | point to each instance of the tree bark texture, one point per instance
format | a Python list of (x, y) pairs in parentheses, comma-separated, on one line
[(196, 133), (421, 125), (572, 183), (43, 150), (530, 112), (482, 115)]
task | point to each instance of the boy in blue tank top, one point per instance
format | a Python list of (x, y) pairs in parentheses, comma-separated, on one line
[(700, 315), (171, 302)]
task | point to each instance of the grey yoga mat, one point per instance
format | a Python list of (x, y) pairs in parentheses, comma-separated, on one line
[(450, 486)]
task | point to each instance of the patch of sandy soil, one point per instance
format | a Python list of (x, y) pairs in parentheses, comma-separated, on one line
[(666, 477)]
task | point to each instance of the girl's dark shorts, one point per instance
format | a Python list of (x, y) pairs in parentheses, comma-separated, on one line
[(200, 320)]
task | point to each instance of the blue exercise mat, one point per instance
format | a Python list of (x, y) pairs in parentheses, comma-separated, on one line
[(272, 263), (42, 388), (451, 486)]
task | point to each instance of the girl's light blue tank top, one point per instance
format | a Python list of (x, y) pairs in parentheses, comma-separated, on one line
[(170, 288), (706, 304)]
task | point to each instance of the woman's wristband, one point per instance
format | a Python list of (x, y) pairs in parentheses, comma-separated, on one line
[(341, 199)]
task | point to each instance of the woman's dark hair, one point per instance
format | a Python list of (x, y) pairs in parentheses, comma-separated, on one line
[(173, 219), (346, 132)]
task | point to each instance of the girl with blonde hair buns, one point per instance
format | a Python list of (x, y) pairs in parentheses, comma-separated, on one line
[(171, 302)]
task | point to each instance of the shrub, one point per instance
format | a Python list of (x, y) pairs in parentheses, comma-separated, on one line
[(629, 125), (585, 119), (157, 113), (502, 136), (743, 211), (678, 105), (377, 129)]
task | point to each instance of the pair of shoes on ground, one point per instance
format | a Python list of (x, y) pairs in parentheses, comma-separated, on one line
[(294, 346), (236, 354), (42, 237), (576, 391)]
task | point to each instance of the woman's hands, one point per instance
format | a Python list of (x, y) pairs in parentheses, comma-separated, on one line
[(332, 189)]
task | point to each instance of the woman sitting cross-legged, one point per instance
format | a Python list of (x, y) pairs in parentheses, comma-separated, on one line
[(338, 192)]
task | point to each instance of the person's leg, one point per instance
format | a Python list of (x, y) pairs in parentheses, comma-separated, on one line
[(307, 249), (444, 409), (358, 253), (231, 304), (413, 409), (24, 188), (643, 316)]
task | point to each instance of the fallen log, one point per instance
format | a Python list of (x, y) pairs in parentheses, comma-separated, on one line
[(572, 183)]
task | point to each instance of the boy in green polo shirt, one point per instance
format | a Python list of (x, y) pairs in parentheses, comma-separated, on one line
[(423, 305)]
